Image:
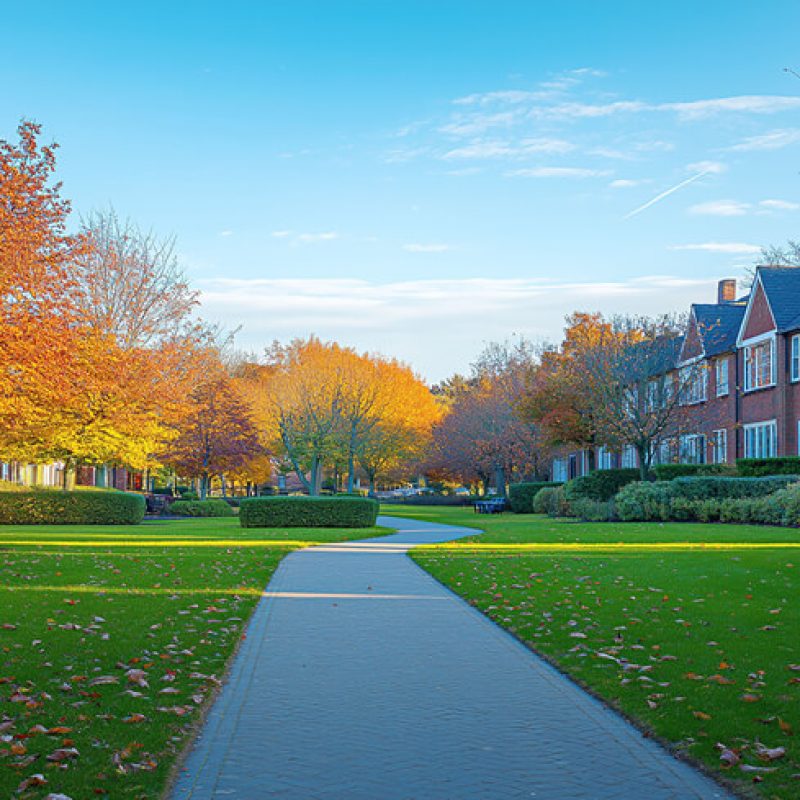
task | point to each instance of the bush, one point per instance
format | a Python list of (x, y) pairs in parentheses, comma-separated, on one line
[(643, 502), (43, 507), (668, 472), (602, 484), (592, 510), (201, 508), (189, 495), (720, 487), (546, 500), (758, 467), (520, 495), (308, 512)]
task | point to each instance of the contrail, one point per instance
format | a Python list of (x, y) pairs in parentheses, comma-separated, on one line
[(666, 193)]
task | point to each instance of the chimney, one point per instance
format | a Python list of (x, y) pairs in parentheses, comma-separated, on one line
[(726, 291)]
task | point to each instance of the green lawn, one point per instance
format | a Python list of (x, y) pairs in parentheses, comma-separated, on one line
[(112, 640), (702, 649)]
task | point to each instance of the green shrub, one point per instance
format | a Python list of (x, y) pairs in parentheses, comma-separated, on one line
[(308, 512), (709, 510), (758, 467), (189, 495), (592, 510), (602, 484), (86, 507), (546, 500), (668, 472), (643, 502), (520, 495), (201, 508), (720, 487)]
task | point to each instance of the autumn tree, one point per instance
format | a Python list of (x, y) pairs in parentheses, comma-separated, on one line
[(483, 437), (218, 435), (637, 395), (38, 326), (321, 404)]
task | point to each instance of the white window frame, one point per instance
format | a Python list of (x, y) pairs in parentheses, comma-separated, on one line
[(722, 370), (754, 345), (719, 450), (605, 458), (695, 444), (628, 460), (560, 470), (761, 439), (694, 383), (794, 358)]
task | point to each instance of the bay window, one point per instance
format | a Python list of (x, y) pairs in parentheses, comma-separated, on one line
[(761, 440), (759, 365)]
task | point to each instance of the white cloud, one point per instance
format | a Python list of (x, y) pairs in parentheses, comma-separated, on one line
[(281, 234), (226, 233), (431, 323), (426, 248), (707, 167), (721, 208), (623, 183), (504, 149), (558, 172), (774, 140), (731, 248), (325, 236), (743, 104), (779, 205)]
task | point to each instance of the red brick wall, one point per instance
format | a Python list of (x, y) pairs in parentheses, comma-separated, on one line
[(692, 346), (760, 319)]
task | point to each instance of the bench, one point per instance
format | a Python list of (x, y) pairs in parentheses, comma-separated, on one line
[(494, 506)]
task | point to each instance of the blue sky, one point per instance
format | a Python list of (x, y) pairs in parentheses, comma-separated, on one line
[(419, 178)]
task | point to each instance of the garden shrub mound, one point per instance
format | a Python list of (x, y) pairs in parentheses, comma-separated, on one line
[(521, 495), (308, 512), (773, 500), (201, 508), (602, 484), (668, 472), (53, 507), (550, 500), (759, 467)]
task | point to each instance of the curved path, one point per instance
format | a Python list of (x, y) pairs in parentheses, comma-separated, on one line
[(362, 678)]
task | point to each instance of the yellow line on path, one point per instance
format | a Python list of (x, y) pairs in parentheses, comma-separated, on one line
[(159, 543), (582, 547)]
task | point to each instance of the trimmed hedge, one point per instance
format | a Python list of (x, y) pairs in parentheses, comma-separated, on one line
[(308, 512), (85, 507), (521, 495), (759, 467), (771, 500), (602, 484), (719, 487), (668, 472), (201, 508)]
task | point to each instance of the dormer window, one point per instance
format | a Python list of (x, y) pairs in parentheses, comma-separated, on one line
[(759, 365)]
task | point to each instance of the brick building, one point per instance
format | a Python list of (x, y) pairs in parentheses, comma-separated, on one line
[(741, 359)]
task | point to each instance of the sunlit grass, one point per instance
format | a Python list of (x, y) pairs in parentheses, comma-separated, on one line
[(80, 608), (693, 631)]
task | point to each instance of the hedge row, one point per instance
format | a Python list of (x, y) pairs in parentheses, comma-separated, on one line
[(201, 508), (43, 507), (520, 495), (757, 467), (668, 472), (308, 512), (708, 499), (602, 484)]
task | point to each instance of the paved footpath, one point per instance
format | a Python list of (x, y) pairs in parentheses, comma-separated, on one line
[(362, 678)]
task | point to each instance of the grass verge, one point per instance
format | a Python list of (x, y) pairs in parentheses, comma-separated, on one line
[(113, 640), (700, 648)]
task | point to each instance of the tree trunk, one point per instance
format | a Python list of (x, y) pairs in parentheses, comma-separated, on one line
[(500, 481), (224, 485), (203, 486), (315, 482)]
